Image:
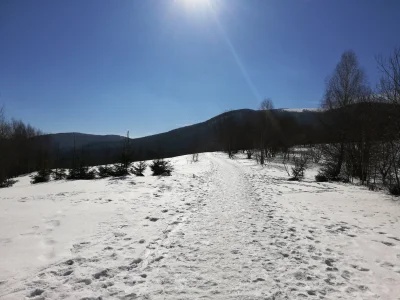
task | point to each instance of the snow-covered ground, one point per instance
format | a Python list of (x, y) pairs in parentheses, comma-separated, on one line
[(216, 229)]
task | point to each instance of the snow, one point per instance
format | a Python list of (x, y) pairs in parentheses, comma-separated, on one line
[(216, 229), (300, 109)]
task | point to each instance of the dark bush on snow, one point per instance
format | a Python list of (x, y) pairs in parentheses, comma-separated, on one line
[(81, 172), (321, 178), (41, 176), (7, 183), (330, 171), (394, 190), (104, 171), (139, 168), (120, 170), (161, 167), (59, 174), (300, 165)]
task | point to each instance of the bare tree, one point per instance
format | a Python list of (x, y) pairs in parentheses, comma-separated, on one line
[(389, 85), (347, 83), (267, 104), (389, 89), (346, 86)]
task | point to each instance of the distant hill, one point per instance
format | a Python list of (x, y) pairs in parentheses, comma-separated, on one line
[(200, 137), (66, 141), (237, 129)]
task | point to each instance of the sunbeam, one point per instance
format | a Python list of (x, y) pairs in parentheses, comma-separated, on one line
[(235, 55)]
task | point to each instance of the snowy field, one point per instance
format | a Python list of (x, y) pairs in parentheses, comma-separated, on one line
[(216, 229)]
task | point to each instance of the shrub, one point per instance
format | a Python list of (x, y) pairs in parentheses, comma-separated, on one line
[(321, 178), (59, 174), (81, 172), (329, 171), (41, 176), (7, 182), (249, 153), (394, 190), (161, 167), (195, 157), (139, 168), (119, 170), (373, 187), (300, 165), (104, 171)]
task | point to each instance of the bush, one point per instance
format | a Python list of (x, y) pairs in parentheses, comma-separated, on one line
[(41, 176), (300, 165), (394, 190), (7, 183), (81, 172), (104, 172), (119, 170), (195, 157), (139, 168), (59, 174), (321, 178), (330, 172), (249, 153), (161, 167)]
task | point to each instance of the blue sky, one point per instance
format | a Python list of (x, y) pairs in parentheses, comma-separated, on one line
[(150, 66)]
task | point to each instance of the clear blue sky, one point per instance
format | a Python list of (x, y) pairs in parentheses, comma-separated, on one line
[(149, 66)]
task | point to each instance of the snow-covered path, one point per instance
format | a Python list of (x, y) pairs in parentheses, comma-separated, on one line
[(217, 251), (252, 236), (227, 229)]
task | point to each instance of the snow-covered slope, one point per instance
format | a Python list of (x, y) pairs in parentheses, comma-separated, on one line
[(216, 229), (299, 109)]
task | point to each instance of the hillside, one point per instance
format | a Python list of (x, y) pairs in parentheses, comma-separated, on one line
[(238, 129)]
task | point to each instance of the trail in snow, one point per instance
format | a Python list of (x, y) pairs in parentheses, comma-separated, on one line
[(232, 231), (249, 239)]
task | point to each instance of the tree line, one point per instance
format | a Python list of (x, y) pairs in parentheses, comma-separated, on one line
[(25, 149), (355, 135), (19, 152), (366, 122)]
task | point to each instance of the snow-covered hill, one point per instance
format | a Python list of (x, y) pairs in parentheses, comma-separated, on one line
[(216, 229)]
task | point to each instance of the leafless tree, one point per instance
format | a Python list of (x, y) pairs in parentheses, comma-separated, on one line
[(389, 90), (389, 85), (346, 86), (267, 104), (347, 83)]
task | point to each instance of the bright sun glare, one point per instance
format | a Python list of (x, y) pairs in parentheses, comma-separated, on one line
[(195, 4)]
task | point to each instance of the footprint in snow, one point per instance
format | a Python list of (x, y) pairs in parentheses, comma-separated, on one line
[(54, 223), (36, 292), (388, 243), (50, 242), (360, 268), (100, 274)]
